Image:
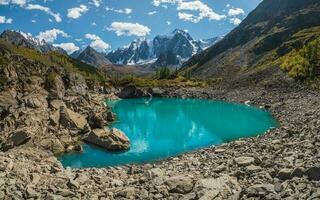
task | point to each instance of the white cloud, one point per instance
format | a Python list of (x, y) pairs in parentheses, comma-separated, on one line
[(94, 24), (97, 43), (159, 2), (202, 9), (96, 3), (228, 5), (51, 35), (17, 2), (129, 29), (76, 12), (235, 21), (5, 20), (47, 10), (68, 47), (126, 11), (152, 12), (34, 21), (235, 11), (169, 23)]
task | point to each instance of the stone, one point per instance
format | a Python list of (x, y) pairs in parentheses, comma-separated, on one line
[(313, 173), (113, 139), (111, 117), (244, 161), (128, 192), (155, 172), (35, 101), (157, 92), (297, 172), (56, 104), (96, 120), (131, 91), (260, 190), (223, 187), (253, 168), (285, 174), (31, 193), (17, 138), (179, 184), (72, 120)]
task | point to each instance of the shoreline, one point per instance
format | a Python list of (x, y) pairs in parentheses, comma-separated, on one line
[(281, 163)]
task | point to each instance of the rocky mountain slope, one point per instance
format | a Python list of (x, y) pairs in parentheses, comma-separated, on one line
[(142, 51), (25, 40), (92, 57), (48, 101), (251, 51)]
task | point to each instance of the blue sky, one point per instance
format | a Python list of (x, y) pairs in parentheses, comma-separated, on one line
[(109, 24)]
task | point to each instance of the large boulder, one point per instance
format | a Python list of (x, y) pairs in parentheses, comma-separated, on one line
[(17, 138), (179, 184), (113, 139), (72, 120), (131, 91), (223, 187)]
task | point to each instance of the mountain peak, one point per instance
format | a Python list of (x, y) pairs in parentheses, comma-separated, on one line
[(142, 51), (92, 57), (26, 40)]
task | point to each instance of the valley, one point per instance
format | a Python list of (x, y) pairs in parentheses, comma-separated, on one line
[(259, 82)]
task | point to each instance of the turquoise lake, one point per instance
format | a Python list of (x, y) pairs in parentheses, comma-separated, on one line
[(165, 127)]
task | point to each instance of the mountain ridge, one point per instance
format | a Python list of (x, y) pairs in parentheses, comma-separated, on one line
[(144, 51), (25, 40), (252, 50)]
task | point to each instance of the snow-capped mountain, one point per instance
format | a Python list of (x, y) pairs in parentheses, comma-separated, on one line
[(26, 40), (178, 44)]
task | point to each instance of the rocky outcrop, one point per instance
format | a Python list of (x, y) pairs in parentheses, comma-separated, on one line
[(131, 91), (112, 140), (72, 120)]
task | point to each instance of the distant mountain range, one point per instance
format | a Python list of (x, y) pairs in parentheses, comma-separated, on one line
[(164, 50), (171, 49), (25, 40)]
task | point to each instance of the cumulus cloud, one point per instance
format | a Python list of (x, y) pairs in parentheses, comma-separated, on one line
[(152, 12), (51, 35), (204, 12), (185, 7), (47, 10), (5, 20), (129, 29), (235, 21), (76, 12), (68, 47), (235, 11), (169, 23), (97, 43), (126, 11), (96, 3), (17, 2)]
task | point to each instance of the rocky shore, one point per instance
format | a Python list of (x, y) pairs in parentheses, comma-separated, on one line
[(281, 164)]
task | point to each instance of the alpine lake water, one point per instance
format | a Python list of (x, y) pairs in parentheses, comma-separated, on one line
[(165, 127)]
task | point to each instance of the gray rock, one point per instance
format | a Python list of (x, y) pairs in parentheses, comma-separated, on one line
[(17, 138), (72, 120), (179, 184), (131, 92), (260, 190), (313, 173), (113, 139), (244, 161), (224, 187), (285, 174)]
